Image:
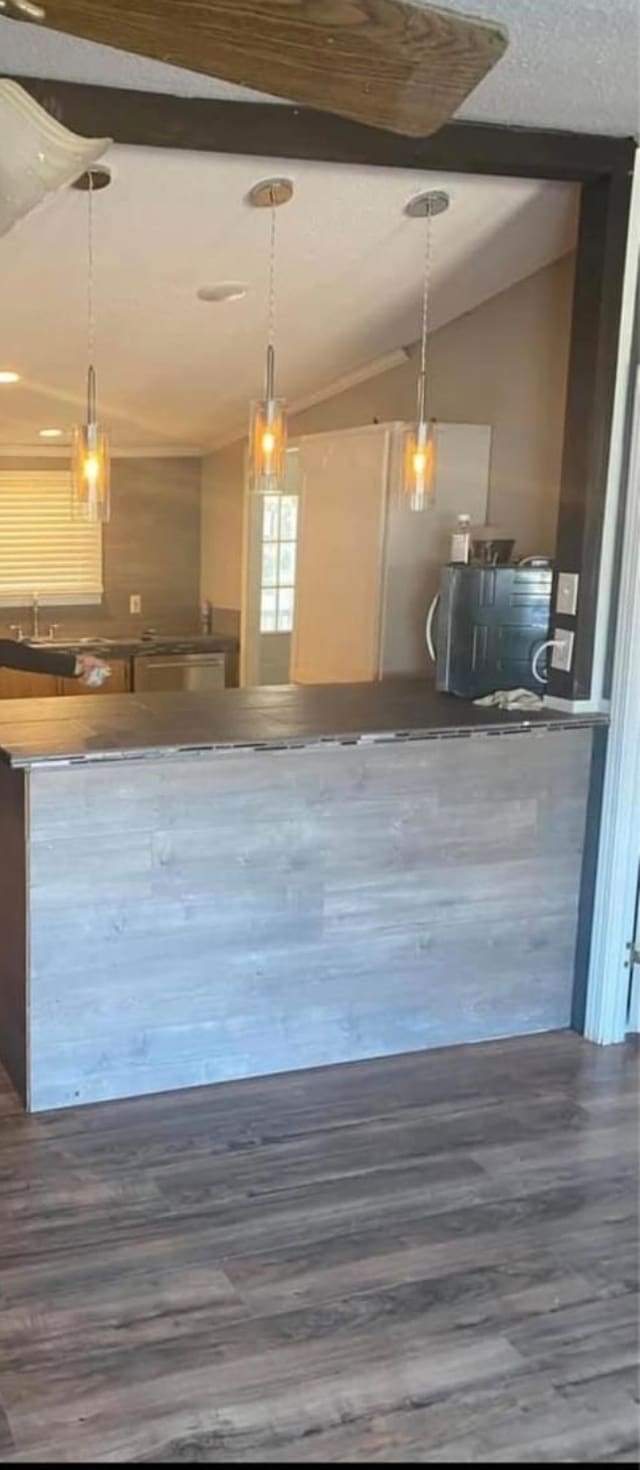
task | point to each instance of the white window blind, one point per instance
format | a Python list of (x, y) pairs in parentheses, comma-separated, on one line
[(43, 550)]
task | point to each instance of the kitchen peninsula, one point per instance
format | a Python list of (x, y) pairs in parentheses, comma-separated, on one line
[(200, 888)]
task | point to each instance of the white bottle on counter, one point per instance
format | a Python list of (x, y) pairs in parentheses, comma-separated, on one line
[(460, 549)]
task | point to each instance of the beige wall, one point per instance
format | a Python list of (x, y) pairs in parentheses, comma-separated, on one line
[(151, 546), (503, 364)]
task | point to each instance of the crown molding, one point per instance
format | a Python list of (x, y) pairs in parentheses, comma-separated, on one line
[(155, 451)]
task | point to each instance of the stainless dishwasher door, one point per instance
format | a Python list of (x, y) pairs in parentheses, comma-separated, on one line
[(191, 673)]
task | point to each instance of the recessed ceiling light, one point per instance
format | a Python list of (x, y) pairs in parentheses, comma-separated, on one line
[(223, 291), (50, 433), (9, 377)]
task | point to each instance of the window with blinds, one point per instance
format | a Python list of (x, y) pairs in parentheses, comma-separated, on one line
[(43, 550)]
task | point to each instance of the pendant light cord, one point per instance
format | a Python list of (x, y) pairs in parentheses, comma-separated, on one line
[(272, 280), (426, 286), (91, 320), (90, 306), (271, 327)]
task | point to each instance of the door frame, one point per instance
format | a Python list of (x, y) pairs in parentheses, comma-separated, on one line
[(601, 165), (608, 986)]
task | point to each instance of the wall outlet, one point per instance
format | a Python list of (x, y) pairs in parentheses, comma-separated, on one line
[(135, 603), (567, 594), (562, 654)]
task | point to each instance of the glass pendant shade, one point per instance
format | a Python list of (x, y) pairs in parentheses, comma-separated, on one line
[(419, 466), (268, 439), (268, 442), (38, 155), (91, 466)]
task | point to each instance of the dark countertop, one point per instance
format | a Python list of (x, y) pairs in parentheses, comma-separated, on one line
[(132, 647), (128, 726)]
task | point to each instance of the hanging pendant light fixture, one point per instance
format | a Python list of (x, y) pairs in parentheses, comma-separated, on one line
[(90, 465), (419, 456), (268, 423)]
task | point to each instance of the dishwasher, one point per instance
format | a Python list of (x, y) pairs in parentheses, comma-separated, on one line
[(188, 673)]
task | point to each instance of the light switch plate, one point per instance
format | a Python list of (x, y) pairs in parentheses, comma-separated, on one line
[(562, 654), (567, 593), (135, 603)]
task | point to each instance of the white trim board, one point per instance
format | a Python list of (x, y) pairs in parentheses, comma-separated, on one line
[(63, 451), (619, 847), (624, 387)]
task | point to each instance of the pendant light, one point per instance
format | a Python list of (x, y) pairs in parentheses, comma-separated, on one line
[(90, 466), (419, 455), (268, 423)]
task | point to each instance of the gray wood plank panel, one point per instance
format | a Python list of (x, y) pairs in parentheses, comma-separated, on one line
[(13, 927), (193, 921)]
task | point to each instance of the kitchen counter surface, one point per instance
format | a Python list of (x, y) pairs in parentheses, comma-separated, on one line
[(115, 727), (133, 647)]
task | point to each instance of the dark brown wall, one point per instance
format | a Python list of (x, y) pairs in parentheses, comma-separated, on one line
[(13, 928), (151, 546)]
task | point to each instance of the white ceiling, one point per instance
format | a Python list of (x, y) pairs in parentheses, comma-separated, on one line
[(571, 64), (176, 373)]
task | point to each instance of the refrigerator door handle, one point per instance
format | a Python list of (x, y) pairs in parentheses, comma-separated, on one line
[(428, 632)]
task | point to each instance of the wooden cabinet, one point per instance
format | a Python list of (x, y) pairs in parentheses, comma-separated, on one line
[(119, 683), (16, 684)]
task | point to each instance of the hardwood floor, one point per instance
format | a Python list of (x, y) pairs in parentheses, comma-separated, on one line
[(427, 1258)]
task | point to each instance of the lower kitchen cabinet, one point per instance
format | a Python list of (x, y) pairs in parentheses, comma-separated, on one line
[(16, 684), (119, 683)]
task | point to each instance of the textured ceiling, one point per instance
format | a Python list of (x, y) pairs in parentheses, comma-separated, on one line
[(174, 371), (571, 64)]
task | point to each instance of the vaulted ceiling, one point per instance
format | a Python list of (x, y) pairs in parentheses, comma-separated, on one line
[(175, 372)]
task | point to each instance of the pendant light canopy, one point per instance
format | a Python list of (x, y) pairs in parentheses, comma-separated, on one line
[(417, 489), (268, 423), (90, 465)]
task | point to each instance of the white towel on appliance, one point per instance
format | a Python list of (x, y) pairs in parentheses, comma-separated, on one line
[(512, 699)]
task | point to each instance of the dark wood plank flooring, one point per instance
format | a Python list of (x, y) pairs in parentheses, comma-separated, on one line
[(428, 1258)]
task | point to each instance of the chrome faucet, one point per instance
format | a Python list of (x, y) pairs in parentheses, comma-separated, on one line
[(35, 616)]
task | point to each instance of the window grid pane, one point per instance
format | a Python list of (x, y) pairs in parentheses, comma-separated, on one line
[(270, 564), (279, 532), (271, 518)]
